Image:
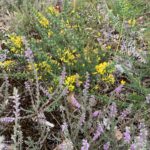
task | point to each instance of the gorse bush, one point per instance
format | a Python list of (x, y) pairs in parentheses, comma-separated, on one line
[(75, 75)]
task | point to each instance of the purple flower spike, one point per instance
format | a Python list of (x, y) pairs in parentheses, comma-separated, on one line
[(98, 132), (29, 54), (85, 145), (64, 127), (118, 89), (106, 146), (125, 113), (75, 102), (127, 136), (132, 147), (96, 113), (113, 110), (7, 119)]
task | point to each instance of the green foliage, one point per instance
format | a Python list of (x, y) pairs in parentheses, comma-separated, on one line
[(98, 44)]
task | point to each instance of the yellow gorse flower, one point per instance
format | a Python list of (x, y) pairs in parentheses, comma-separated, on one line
[(101, 68), (16, 40), (43, 20), (45, 66), (7, 64), (132, 22), (52, 10), (70, 82), (123, 82), (50, 33), (68, 57), (109, 79), (32, 66), (108, 47)]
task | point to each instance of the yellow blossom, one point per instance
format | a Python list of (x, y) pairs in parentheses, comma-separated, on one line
[(16, 40), (50, 89), (32, 66), (50, 33), (96, 87), (109, 79), (132, 22), (69, 57), (43, 20), (108, 47), (45, 67), (7, 64), (70, 82), (101, 68), (123, 82), (52, 10)]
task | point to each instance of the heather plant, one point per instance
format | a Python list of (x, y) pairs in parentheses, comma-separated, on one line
[(75, 75)]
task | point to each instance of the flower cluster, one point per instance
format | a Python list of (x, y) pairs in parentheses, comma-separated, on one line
[(102, 68), (109, 79), (85, 145), (70, 82), (43, 20), (7, 64), (52, 10), (16, 40), (132, 22), (69, 57)]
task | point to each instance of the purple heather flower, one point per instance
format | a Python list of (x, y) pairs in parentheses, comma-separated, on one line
[(125, 113), (92, 101), (143, 134), (82, 119), (74, 102), (7, 119), (132, 147), (127, 136), (27, 86), (118, 89), (98, 132), (65, 91), (113, 109), (46, 92), (85, 145), (29, 54), (106, 146), (64, 127), (96, 113)]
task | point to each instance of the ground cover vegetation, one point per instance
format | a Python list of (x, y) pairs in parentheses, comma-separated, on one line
[(74, 75)]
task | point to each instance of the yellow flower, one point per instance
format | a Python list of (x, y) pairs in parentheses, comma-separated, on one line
[(7, 64), (132, 22), (45, 67), (101, 68), (70, 82), (50, 89), (16, 40), (69, 57), (50, 33), (108, 47), (96, 87), (123, 82), (43, 20), (109, 79), (52, 10), (30, 66)]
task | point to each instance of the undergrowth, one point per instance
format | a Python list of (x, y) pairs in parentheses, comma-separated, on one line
[(75, 75)]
